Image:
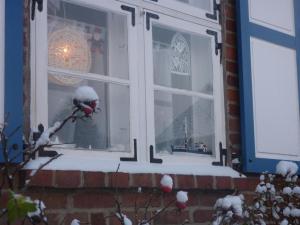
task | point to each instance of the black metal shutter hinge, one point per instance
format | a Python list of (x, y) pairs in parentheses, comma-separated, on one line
[(134, 158), (223, 154), (39, 6), (132, 11), (148, 17), (216, 7), (218, 45), (152, 159)]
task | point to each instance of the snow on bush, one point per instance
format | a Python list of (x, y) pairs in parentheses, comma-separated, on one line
[(86, 100), (85, 94), (166, 183), (45, 136), (277, 201), (181, 199), (286, 168), (75, 222)]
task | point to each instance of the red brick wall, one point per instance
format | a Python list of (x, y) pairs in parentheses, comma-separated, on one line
[(231, 80), (89, 196)]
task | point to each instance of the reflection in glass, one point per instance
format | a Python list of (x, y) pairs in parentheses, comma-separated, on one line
[(183, 123), (182, 60), (201, 4), (87, 40), (107, 130)]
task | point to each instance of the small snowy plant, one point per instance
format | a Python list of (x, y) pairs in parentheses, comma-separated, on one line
[(166, 183), (277, 201), (20, 208), (142, 208)]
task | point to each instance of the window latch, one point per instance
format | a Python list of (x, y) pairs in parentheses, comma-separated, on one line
[(148, 17), (134, 158), (223, 156), (216, 7), (152, 159), (132, 11), (39, 6), (218, 45)]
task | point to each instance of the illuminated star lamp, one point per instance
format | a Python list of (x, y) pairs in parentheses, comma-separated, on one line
[(68, 49)]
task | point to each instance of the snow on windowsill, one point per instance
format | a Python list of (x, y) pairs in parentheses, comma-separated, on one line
[(73, 162)]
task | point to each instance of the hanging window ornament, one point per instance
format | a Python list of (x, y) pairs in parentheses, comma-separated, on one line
[(68, 49), (180, 55)]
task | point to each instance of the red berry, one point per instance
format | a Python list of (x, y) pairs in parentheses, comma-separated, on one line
[(166, 189), (180, 205), (87, 110), (93, 104)]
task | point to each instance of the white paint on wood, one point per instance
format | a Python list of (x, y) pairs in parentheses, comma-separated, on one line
[(275, 100), (274, 14)]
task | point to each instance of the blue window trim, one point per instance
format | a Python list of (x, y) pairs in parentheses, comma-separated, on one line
[(13, 94), (245, 30)]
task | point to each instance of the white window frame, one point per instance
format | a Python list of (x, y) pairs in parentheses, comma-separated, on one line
[(2, 61), (218, 94), (186, 9), (142, 123), (39, 106)]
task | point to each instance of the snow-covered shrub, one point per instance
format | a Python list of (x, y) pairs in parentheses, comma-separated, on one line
[(277, 201), (20, 207), (166, 186)]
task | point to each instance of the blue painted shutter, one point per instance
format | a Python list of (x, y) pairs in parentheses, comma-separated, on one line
[(247, 30), (13, 95)]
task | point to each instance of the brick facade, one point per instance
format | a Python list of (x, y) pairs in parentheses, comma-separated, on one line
[(89, 196)]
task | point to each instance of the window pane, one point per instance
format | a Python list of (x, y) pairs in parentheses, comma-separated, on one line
[(107, 130), (87, 39), (183, 123), (201, 4), (182, 60)]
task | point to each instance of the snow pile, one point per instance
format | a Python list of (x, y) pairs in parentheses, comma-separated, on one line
[(287, 191), (235, 203), (40, 207), (45, 136), (296, 191), (286, 211), (181, 199), (284, 222), (127, 221), (286, 168), (85, 94), (182, 196), (166, 183), (75, 222), (261, 188), (295, 212)]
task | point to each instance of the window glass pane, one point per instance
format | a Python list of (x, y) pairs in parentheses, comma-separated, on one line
[(107, 130), (183, 123), (202, 4), (87, 39), (182, 60)]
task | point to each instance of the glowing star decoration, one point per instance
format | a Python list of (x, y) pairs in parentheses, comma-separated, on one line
[(166, 183), (68, 49), (181, 199)]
